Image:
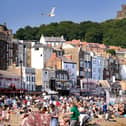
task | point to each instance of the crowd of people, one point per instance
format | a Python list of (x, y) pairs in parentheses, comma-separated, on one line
[(58, 110)]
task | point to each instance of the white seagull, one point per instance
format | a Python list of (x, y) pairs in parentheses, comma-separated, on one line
[(51, 13)]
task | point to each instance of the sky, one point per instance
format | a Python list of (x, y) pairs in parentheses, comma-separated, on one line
[(20, 13)]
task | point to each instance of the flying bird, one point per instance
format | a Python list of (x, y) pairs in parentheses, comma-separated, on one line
[(51, 13)]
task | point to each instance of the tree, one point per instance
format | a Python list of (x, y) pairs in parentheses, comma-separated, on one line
[(111, 51), (20, 34), (94, 36), (28, 33), (110, 32)]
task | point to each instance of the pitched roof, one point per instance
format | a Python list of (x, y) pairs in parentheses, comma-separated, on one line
[(122, 50), (54, 39), (115, 47), (67, 46), (74, 42)]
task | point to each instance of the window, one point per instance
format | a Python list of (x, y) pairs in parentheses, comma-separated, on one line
[(94, 61), (27, 78), (81, 64), (36, 48), (62, 77), (72, 65), (86, 65), (65, 77), (32, 79)]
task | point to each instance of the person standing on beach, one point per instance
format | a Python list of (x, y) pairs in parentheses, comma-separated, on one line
[(74, 117)]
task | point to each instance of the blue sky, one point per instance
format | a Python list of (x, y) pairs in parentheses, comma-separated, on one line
[(20, 13)]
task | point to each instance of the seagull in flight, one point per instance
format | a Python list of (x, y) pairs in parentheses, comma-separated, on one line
[(51, 13)]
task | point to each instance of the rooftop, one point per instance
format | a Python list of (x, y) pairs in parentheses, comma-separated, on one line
[(54, 39)]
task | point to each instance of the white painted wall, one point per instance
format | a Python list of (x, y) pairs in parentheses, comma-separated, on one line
[(123, 72), (37, 60), (40, 56), (42, 40)]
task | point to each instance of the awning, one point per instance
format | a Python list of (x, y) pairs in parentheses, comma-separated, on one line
[(34, 92), (9, 90)]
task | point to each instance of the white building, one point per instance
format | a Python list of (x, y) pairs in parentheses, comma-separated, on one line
[(52, 41), (29, 79), (39, 55)]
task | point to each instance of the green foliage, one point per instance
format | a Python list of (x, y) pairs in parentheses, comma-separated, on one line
[(110, 32), (111, 51), (94, 36), (28, 33)]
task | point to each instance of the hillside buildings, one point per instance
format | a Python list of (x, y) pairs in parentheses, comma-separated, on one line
[(59, 65)]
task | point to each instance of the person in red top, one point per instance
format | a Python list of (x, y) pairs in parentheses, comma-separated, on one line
[(58, 103), (25, 102)]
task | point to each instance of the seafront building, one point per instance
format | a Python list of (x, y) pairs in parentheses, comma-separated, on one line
[(7, 48), (57, 64)]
